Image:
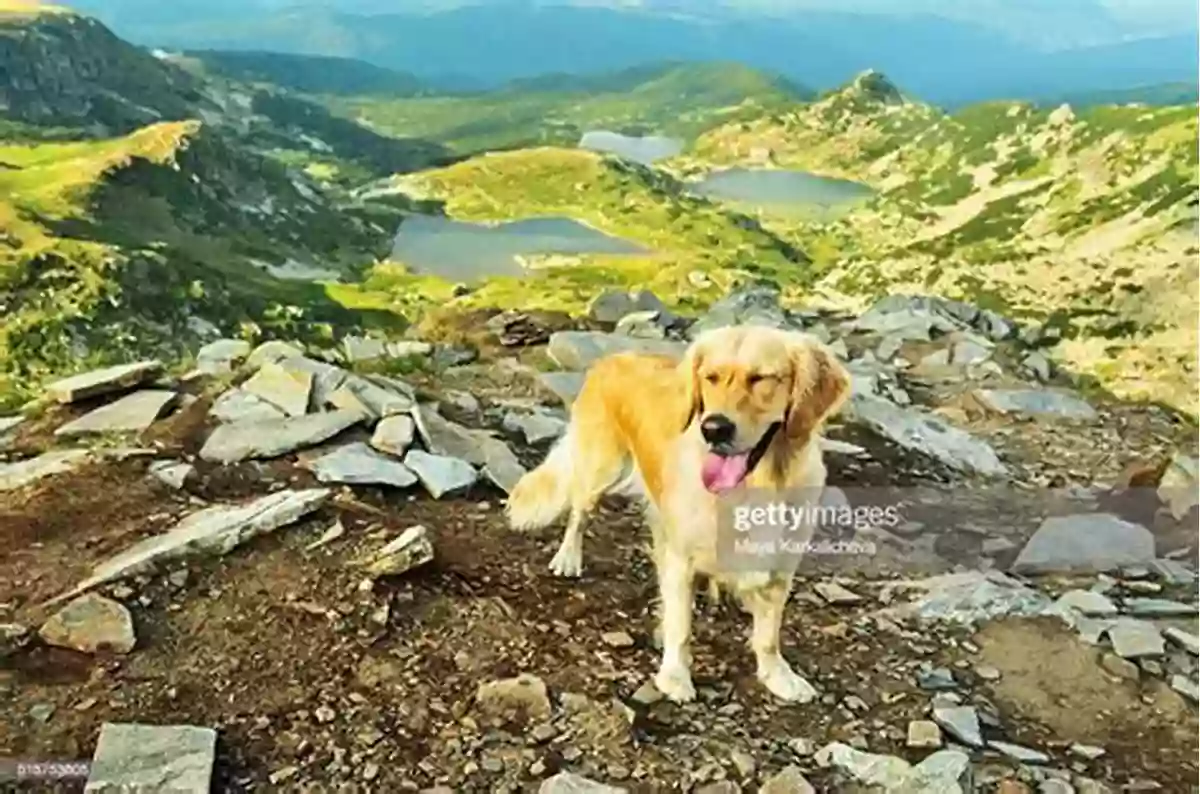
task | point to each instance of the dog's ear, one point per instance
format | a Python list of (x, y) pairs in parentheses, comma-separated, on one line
[(689, 377), (820, 385)]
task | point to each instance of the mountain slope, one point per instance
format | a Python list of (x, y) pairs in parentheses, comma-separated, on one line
[(1086, 220), (671, 99), (138, 243), (943, 60), (61, 68), (309, 74), (1157, 94), (67, 70)]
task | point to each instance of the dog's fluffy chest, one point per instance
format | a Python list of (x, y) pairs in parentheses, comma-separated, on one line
[(701, 524)]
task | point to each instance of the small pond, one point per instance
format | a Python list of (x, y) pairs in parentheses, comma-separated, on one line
[(643, 149), (462, 251), (774, 189)]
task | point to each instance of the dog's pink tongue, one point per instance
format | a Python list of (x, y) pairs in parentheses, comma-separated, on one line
[(721, 473)]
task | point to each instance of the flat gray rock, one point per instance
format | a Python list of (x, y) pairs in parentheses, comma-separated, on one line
[(1085, 542), (131, 757), (394, 435), (221, 356), (439, 474), (1088, 603), (446, 438), (647, 325), (1158, 608), (961, 722), (911, 324), (788, 781), (1179, 486), (1016, 752), (611, 305), (1134, 639), (358, 464), (103, 381), (938, 773), (8, 424), (870, 769), (1174, 572), (564, 385), (535, 427), (132, 413), (500, 465), (571, 783), (834, 593), (237, 405), (326, 378), (91, 624), (270, 438), (214, 530), (363, 348), (412, 549), (578, 350), (23, 472), (172, 473), (273, 350), (972, 597), (923, 734), (1186, 687), (925, 433), (381, 398), (1036, 402), (1038, 365), (757, 305), (1187, 640), (289, 390)]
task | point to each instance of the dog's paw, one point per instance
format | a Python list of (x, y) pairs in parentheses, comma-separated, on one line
[(675, 684), (787, 685), (567, 563)]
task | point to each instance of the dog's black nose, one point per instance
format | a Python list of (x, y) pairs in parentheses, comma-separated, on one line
[(717, 429)]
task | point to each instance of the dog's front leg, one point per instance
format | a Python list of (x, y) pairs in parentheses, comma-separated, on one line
[(675, 581), (766, 605)]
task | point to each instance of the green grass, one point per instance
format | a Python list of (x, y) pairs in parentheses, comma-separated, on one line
[(683, 234), (681, 101), (109, 247), (1070, 198)]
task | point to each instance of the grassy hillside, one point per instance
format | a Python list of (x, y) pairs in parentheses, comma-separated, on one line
[(131, 245), (686, 236), (1084, 218), (308, 74), (679, 100), (1158, 94), (68, 72), (65, 69)]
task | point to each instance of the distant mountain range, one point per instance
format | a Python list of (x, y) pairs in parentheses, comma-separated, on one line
[(946, 61)]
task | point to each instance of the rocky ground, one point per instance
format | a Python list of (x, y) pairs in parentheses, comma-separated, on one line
[(306, 562)]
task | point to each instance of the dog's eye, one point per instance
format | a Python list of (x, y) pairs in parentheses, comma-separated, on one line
[(711, 377), (754, 379)]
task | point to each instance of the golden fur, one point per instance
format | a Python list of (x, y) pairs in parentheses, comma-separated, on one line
[(639, 416)]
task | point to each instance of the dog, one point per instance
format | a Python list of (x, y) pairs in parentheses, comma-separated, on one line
[(741, 413)]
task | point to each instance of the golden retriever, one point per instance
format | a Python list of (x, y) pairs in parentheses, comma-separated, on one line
[(737, 418)]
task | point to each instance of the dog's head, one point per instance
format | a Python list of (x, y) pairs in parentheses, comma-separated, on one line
[(748, 386)]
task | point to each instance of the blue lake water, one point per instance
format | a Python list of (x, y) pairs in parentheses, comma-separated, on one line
[(773, 188), (462, 251), (643, 149)]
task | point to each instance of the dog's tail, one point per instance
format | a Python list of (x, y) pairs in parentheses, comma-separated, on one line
[(544, 494)]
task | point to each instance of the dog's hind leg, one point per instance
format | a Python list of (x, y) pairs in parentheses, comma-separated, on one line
[(766, 605), (602, 464)]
